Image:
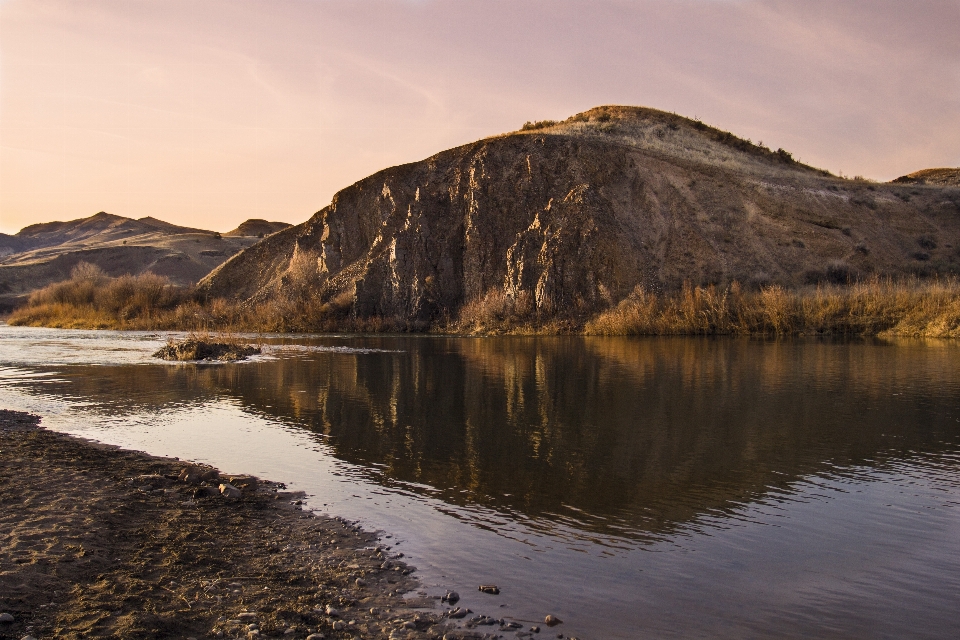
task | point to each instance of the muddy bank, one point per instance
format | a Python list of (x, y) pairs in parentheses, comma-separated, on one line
[(98, 542)]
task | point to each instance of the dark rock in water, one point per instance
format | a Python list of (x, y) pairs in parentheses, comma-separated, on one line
[(192, 349), (552, 621), (490, 588), (450, 596)]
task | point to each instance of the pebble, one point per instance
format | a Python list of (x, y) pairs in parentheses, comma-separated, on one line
[(6, 617), (289, 632), (338, 625), (535, 629), (246, 616), (28, 638), (552, 621), (450, 596), (227, 490), (205, 492), (492, 589), (315, 636), (361, 583), (332, 612)]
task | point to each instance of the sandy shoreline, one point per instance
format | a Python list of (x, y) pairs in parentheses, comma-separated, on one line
[(99, 542)]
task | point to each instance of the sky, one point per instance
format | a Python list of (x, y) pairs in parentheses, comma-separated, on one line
[(206, 113)]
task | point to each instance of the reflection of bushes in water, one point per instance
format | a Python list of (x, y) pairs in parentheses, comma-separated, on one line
[(874, 307)]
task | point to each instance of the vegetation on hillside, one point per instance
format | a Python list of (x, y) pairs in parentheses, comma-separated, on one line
[(877, 307)]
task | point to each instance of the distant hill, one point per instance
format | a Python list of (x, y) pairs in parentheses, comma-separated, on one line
[(257, 227), (937, 177), (571, 216), (43, 253)]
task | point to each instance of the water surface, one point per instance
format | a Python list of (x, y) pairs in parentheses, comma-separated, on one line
[(632, 487)]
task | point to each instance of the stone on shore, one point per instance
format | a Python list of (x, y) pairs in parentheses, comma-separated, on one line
[(227, 490)]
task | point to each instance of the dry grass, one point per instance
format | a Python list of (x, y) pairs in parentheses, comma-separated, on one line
[(921, 308), (496, 311), (873, 308), (90, 299)]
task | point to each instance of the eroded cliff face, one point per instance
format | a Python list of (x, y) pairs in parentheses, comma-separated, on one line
[(570, 218)]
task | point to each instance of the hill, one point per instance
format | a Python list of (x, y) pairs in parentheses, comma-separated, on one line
[(938, 177), (567, 218), (43, 253), (257, 227)]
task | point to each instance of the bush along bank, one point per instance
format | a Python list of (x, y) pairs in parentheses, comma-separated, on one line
[(875, 307)]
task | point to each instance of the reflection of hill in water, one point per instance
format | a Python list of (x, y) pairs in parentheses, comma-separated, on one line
[(623, 435)]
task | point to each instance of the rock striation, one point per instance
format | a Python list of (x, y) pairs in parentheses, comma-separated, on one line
[(568, 218)]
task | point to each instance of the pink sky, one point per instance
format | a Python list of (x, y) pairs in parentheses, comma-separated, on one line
[(209, 112)]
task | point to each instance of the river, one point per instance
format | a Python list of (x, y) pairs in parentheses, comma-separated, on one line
[(632, 487)]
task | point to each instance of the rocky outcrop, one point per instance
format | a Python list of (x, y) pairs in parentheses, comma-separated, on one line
[(570, 217)]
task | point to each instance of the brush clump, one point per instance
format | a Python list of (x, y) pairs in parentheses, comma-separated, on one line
[(196, 347)]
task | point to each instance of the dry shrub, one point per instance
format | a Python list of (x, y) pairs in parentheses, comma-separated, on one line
[(89, 298), (884, 307), (876, 307), (496, 310)]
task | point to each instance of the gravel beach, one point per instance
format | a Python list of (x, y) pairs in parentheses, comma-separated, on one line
[(99, 542)]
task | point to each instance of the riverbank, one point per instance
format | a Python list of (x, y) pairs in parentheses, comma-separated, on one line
[(99, 542), (927, 308)]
